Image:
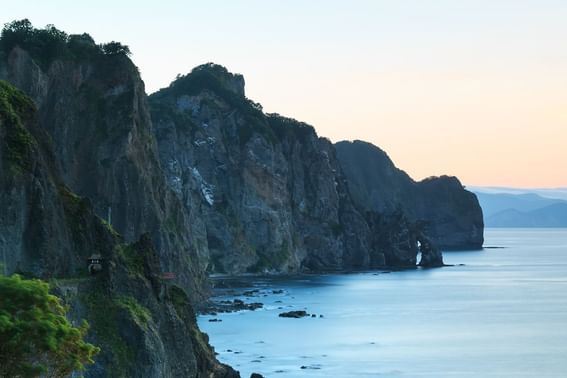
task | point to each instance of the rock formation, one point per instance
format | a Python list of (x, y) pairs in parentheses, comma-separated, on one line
[(267, 191), (94, 111), (144, 325), (194, 179), (451, 215)]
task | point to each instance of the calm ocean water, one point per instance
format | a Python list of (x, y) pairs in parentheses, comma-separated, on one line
[(502, 314)]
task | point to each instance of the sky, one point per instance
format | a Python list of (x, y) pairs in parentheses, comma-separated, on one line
[(475, 89)]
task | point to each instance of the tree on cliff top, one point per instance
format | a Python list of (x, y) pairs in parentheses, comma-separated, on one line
[(50, 43), (35, 337), (115, 48)]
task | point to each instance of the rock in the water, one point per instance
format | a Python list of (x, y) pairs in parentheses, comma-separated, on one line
[(293, 314)]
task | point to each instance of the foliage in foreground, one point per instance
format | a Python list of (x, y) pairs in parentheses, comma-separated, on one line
[(35, 336)]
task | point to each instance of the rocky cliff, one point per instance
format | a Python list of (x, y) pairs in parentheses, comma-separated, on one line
[(194, 179), (144, 325), (451, 214), (92, 106), (268, 189), (270, 193)]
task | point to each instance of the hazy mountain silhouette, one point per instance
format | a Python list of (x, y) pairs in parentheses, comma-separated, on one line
[(550, 216), (526, 209)]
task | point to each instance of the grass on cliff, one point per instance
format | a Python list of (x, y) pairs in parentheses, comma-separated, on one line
[(104, 313), (199, 339), (139, 313), (133, 260), (15, 109)]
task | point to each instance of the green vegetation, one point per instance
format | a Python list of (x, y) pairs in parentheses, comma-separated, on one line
[(139, 313), (252, 126), (109, 228), (15, 109), (213, 77), (133, 260), (76, 209), (290, 128), (115, 48), (199, 339), (103, 312), (270, 260), (50, 43), (35, 337), (178, 298)]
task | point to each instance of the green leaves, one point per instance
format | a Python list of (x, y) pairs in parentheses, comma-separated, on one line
[(35, 336), (15, 108)]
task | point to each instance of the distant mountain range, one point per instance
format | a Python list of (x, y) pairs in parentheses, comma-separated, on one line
[(553, 193), (513, 207)]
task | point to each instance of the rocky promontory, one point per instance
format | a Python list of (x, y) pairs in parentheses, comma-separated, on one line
[(268, 192), (192, 180), (450, 213)]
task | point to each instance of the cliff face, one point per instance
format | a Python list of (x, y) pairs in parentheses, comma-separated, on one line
[(451, 214), (269, 193), (94, 112), (266, 189), (194, 179), (145, 326)]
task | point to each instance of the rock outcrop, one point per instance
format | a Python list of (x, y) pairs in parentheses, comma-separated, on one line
[(194, 179), (268, 188), (269, 193), (144, 325), (94, 112), (451, 214)]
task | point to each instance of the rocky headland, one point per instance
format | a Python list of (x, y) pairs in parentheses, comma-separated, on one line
[(191, 180)]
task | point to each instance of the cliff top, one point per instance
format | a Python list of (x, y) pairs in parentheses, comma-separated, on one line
[(48, 44)]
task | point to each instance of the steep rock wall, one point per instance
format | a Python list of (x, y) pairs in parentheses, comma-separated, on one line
[(272, 193), (452, 215), (144, 325), (95, 113)]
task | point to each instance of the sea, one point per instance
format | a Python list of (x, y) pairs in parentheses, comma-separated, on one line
[(497, 312)]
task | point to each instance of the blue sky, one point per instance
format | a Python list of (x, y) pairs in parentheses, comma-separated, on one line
[(477, 89)]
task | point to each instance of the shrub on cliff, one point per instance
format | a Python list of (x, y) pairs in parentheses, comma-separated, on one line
[(35, 337)]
